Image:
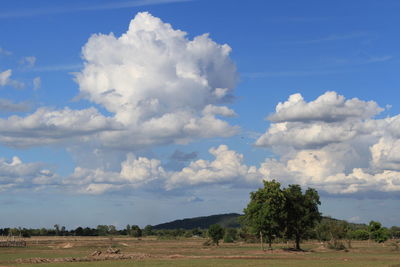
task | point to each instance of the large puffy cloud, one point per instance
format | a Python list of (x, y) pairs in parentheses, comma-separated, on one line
[(160, 85), (15, 174), (333, 144), (328, 119), (157, 86)]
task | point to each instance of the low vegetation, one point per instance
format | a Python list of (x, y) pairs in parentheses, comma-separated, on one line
[(281, 217)]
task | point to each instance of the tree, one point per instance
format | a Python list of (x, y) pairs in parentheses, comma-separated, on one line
[(360, 234), (102, 230), (136, 231), (63, 231), (79, 231), (230, 235), (112, 230), (377, 232), (148, 230), (57, 228), (395, 232), (216, 232), (128, 229), (264, 214), (301, 212)]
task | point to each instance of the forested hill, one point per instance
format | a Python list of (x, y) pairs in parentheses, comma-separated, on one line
[(225, 220)]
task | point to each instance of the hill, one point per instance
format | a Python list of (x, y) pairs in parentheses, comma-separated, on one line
[(204, 222), (225, 220)]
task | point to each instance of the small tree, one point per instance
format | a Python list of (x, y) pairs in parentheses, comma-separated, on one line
[(230, 235), (216, 233), (264, 214), (301, 212), (57, 229), (128, 229), (377, 232), (136, 231), (148, 230)]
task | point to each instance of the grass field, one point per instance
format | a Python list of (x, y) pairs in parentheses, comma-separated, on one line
[(191, 252)]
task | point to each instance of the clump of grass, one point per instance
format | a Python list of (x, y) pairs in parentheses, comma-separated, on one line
[(336, 245), (395, 246)]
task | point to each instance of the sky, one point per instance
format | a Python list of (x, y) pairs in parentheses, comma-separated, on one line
[(145, 111)]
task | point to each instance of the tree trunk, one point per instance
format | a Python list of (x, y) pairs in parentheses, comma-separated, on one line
[(297, 242), (261, 239)]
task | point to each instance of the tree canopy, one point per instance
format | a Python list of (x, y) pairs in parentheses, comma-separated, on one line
[(273, 212), (264, 214)]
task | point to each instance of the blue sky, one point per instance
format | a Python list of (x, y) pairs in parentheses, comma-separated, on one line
[(149, 124)]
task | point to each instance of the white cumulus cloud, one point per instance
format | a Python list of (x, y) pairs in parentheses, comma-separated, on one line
[(228, 167), (135, 172), (162, 86), (333, 144)]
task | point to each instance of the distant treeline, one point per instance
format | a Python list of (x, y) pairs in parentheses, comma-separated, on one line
[(104, 230), (328, 229)]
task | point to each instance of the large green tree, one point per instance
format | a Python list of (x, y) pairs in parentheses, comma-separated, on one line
[(301, 212), (264, 214)]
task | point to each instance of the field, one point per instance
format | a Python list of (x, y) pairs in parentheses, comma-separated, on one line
[(67, 251)]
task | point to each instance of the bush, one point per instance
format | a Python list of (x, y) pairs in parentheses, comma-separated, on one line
[(337, 245), (230, 235), (360, 234)]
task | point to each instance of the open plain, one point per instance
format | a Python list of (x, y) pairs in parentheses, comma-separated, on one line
[(92, 251)]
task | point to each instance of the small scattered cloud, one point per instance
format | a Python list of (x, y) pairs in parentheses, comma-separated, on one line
[(293, 73), (20, 13), (28, 62), (194, 199), (334, 37), (5, 52), (182, 156), (37, 83), (355, 219), (7, 105), (5, 79), (379, 59), (65, 67)]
